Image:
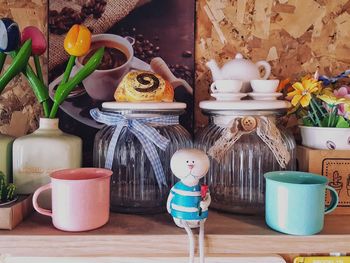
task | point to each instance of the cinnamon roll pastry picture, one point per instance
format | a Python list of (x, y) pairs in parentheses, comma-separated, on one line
[(144, 86)]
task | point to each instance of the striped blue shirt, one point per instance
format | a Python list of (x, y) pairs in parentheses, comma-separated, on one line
[(185, 203)]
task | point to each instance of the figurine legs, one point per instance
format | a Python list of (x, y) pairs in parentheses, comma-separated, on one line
[(191, 240), (201, 241)]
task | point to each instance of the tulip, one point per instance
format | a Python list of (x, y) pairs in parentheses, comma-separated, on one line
[(9, 38), (40, 90), (63, 90), (77, 43), (38, 46), (19, 63), (78, 40)]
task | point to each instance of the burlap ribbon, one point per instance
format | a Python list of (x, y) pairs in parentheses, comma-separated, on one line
[(115, 11), (265, 128)]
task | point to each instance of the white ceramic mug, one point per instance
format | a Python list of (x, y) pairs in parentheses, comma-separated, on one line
[(101, 84), (264, 85), (226, 86)]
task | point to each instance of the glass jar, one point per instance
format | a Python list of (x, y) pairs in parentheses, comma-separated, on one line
[(134, 186), (236, 181)]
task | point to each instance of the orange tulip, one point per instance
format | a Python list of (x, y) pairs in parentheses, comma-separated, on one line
[(78, 40)]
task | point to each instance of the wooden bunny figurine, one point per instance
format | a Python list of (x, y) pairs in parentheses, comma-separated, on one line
[(187, 203)]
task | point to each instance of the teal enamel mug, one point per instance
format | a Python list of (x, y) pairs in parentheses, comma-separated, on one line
[(295, 202)]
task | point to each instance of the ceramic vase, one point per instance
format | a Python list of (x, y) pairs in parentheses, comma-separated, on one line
[(46, 150), (6, 156), (325, 138)]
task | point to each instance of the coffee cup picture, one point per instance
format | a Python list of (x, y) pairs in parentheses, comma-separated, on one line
[(118, 60)]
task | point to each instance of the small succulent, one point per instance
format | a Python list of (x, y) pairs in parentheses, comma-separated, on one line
[(7, 191)]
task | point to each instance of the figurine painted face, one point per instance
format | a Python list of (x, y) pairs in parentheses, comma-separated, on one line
[(189, 165)]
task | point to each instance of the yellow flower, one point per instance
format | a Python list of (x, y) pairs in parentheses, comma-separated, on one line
[(329, 98), (303, 91)]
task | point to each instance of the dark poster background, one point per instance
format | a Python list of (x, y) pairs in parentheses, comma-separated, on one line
[(161, 28)]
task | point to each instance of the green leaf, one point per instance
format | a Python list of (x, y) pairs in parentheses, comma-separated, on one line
[(342, 123), (324, 121), (307, 122)]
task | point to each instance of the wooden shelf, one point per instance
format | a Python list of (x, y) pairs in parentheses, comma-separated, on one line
[(134, 235)]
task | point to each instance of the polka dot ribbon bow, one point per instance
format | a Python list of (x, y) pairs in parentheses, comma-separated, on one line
[(149, 137), (264, 127)]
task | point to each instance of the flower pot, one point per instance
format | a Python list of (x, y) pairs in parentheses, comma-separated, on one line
[(14, 212), (37, 155), (9, 202), (325, 138)]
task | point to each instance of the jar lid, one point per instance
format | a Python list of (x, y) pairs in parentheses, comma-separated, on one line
[(244, 105), (143, 105)]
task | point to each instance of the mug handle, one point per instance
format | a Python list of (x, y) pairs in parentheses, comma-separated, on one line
[(130, 39), (213, 87), (334, 200), (35, 200)]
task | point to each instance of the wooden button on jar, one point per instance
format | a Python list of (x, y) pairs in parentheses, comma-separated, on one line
[(248, 123)]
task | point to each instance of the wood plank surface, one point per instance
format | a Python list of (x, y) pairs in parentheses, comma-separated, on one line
[(134, 235), (233, 259)]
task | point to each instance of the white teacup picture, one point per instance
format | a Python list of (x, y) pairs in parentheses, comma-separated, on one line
[(101, 84), (226, 86), (264, 85)]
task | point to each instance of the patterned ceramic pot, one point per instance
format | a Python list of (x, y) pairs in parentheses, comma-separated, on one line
[(326, 138)]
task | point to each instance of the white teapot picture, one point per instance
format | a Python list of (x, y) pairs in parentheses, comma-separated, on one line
[(239, 69)]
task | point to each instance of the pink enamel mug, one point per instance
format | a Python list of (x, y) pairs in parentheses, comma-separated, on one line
[(80, 198)]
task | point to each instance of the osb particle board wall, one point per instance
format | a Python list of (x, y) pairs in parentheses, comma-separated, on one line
[(19, 110), (295, 36)]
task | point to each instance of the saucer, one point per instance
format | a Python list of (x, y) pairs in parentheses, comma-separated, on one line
[(264, 96), (228, 96)]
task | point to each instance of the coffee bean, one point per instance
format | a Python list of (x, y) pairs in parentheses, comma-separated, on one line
[(187, 54), (139, 37), (61, 22)]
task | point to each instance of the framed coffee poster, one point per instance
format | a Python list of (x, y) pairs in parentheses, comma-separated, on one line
[(134, 33)]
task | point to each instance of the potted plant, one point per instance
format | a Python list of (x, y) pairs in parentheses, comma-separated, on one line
[(7, 191), (48, 149), (323, 111), (13, 208)]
